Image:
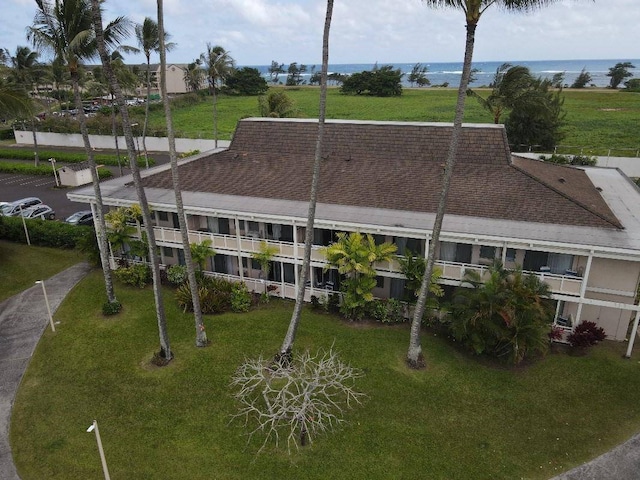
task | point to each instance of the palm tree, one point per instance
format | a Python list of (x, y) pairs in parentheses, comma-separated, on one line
[(200, 252), (201, 336), (149, 41), (264, 257), (165, 349), (473, 10), (24, 71), (65, 29), (287, 345), (510, 85), (219, 65), (193, 76), (14, 102), (354, 255)]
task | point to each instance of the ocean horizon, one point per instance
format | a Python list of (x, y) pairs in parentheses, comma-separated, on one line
[(440, 73)]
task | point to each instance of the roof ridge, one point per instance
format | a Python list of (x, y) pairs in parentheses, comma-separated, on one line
[(616, 224)]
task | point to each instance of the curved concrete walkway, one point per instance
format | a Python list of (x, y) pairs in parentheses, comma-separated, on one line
[(23, 319)]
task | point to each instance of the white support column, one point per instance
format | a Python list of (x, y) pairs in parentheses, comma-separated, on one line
[(557, 310), (282, 279), (240, 270), (634, 333), (583, 288), (296, 271), (504, 259), (426, 245)]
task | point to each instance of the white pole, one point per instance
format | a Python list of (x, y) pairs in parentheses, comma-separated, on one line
[(46, 300), (634, 332), (24, 224), (53, 165), (105, 469)]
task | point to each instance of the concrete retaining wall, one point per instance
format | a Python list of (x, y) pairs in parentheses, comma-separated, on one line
[(154, 144)]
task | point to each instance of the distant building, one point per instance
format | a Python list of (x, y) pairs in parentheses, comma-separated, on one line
[(175, 79)]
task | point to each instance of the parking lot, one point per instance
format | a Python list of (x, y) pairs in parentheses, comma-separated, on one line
[(14, 187)]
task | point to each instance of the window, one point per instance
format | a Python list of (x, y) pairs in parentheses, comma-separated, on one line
[(163, 216), (488, 252), (168, 251), (379, 282), (510, 256)]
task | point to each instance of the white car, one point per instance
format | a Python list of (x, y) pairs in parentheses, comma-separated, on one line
[(42, 211), (13, 208)]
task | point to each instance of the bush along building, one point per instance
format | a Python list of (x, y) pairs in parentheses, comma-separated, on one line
[(577, 228)]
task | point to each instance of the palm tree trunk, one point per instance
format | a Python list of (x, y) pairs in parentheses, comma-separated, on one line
[(287, 344), (101, 231), (415, 358), (135, 170), (201, 335), (114, 131), (215, 114), (36, 156), (146, 113)]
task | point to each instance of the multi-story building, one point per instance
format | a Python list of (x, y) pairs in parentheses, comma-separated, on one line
[(578, 229)]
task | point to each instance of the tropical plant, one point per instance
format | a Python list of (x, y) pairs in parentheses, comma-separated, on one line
[(246, 81), (284, 355), (218, 65), (65, 29), (586, 334), (201, 335), (354, 255), (264, 256), (148, 41), (200, 252), (294, 74), (418, 75), (276, 105), (619, 72), (412, 267), (193, 76), (473, 10), (380, 82), (505, 315), (274, 70)]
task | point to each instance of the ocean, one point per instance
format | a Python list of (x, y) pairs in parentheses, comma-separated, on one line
[(449, 73)]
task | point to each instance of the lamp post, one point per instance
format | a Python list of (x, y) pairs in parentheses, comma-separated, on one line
[(55, 175), (46, 300), (24, 225), (105, 469)]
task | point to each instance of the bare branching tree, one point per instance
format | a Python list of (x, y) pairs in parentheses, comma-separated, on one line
[(295, 402)]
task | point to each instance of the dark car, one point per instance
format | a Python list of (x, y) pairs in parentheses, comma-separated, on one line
[(84, 217)]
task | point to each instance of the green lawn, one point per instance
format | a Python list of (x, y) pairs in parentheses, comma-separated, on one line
[(597, 119), (460, 418), (21, 266)]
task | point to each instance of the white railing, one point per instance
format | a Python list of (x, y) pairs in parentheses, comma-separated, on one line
[(451, 271)]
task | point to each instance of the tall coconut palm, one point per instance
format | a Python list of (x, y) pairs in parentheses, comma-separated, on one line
[(149, 41), (287, 345), (219, 65), (23, 73), (65, 29), (473, 10), (201, 335), (165, 349)]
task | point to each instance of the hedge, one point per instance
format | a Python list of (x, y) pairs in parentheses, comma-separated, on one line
[(45, 233), (69, 157), (28, 169)]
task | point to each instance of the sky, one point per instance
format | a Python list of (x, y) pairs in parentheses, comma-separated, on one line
[(255, 32)]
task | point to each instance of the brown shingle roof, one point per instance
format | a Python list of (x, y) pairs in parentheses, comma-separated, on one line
[(392, 165)]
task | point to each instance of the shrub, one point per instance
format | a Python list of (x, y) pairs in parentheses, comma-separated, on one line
[(333, 304), (65, 157), (215, 294), (177, 274), (46, 170), (570, 159), (586, 334), (240, 298), (137, 275), (45, 233), (111, 308), (190, 153)]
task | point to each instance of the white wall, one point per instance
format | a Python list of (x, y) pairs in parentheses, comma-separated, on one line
[(154, 144)]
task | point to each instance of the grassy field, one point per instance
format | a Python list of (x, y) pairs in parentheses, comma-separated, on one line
[(21, 266), (460, 418), (597, 119)]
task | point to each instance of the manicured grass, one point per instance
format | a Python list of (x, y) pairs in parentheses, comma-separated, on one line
[(21, 266), (460, 418), (597, 119)]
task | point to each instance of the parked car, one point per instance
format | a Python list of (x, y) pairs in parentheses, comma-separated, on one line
[(13, 208), (42, 211), (83, 217)]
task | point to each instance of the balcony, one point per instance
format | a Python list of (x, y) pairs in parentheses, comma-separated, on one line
[(452, 272)]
